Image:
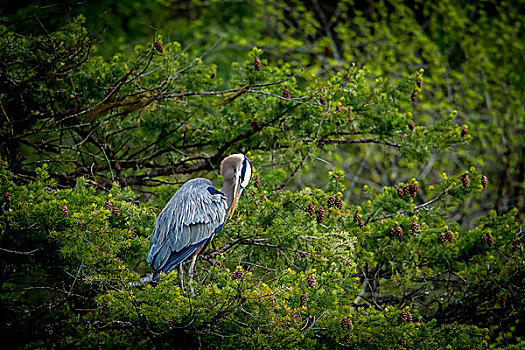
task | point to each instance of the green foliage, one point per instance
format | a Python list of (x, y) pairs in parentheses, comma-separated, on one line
[(95, 141)]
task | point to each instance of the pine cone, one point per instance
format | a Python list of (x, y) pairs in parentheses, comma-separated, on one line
[(396, 230), (65, 211), (357, 218), (400, 192), (236, 274), (403, 317), (213, 74), (414, 226), (80, 224), (257, 63), (286, 93), (412, 125), (449, 236), (322, 100), (442, 238), (158, 46), (419, 81), (464, 132), (487, 240), (311, 209), (331, 201), (411, 190), (320, 216), (413, 97), (132, 231), (347, 339), (304, 300), (403, 342), (484, 181), (465, 180), (116, 211), (257, 182), (311, 280), (346, 324), (108, 205), (254, 124), (7, 195), (338, 203), (104, 305)]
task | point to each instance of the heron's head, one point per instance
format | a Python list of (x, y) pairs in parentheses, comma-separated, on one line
[(237, 172)]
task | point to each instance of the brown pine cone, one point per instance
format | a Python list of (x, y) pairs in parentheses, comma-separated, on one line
[(311, 209), (7, 195), (347, 339), (132, 231), (449, 236), (236, 274), (116, 211), (286, 93), (338, 203), (108, 205), (442, 238), (412, 125), (254, 124), (158, 46), (320, 216), (484, 181), (357, 217), (331, 201), (400, 192), (104, 305), (403, 317), (304, 300), (257, 182), (414, 226), (65, 211), (487, 240), (346, 323), (396, 230), (257, 63), (403, 342), (419, 81), (413, 97), (80, 224), (411, 190), (465, 180), (322, 100), (311, 280)]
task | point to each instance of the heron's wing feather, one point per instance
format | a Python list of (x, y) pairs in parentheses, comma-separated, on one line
[(191, 216)]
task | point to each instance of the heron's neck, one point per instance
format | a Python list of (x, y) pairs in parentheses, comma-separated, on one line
[(227, 189)]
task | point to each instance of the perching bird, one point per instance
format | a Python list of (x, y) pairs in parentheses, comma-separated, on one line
[(195, 214)]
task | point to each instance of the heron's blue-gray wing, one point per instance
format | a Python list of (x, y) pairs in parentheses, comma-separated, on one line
[(191, 217)]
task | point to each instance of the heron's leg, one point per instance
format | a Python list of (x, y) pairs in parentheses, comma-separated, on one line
[(181, 276), (190, 271)]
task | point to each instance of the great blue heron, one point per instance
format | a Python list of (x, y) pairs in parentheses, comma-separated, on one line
[(195, 214)]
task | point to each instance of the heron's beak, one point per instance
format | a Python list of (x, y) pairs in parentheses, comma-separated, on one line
[(237, 194)]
